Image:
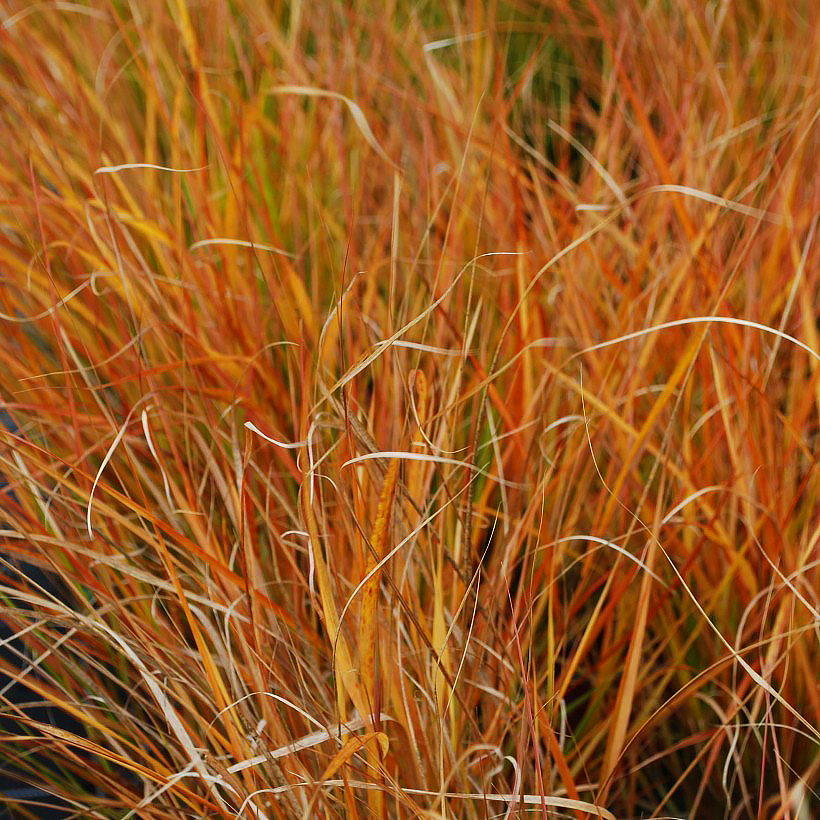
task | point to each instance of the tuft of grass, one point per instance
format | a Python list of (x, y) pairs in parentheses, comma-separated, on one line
[(409, 410)]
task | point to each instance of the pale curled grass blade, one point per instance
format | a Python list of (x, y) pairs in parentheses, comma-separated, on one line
[(355, 111)]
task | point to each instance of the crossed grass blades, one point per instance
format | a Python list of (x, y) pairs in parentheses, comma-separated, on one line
[(409, 409)]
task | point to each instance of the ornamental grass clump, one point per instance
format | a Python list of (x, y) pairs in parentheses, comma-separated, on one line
[(409, 410)]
